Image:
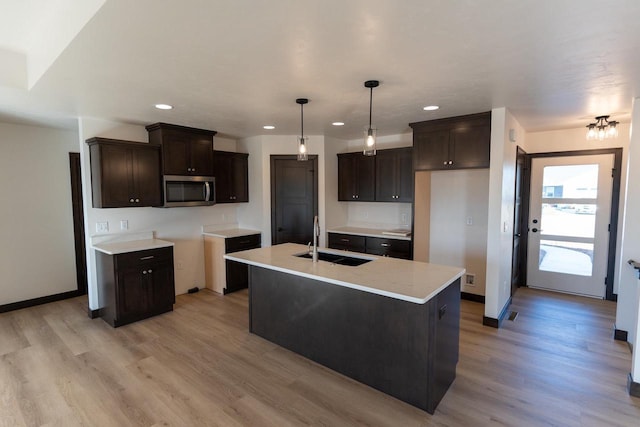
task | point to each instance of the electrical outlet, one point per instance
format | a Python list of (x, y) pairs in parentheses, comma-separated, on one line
[(179, 265), (469, 220), (102, 227), (124, 224), (404, 218), (470, 279)]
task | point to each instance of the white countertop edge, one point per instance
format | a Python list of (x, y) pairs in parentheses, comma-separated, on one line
[(347, 284), (116, 248), (231, 232), (358, 231)]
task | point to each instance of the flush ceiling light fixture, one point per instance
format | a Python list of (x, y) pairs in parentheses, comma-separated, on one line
[(163, 106), (430, 108), (302, 140), (370, 132), (268, 127), (602, 128)]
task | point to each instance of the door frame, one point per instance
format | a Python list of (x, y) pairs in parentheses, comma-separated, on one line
[(525, 186), (616, 173), (273, 158), (78, 222)]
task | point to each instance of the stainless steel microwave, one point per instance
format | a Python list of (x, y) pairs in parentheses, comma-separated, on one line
[(188, 191)]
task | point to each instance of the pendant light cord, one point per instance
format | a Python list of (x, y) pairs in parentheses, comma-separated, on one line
[(302, 121), (370, 105)]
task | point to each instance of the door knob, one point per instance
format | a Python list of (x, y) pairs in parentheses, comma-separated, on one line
[(535, 230), (280, 229)]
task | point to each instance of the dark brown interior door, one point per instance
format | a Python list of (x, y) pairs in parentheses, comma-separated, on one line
[(294, 199), (78, 223), (521, 196)]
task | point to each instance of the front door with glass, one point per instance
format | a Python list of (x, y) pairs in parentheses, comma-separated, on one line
[(570, 207)]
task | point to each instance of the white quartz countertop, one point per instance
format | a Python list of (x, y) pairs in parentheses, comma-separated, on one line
[(370, 232), (230, 233), (114, 248), (411, 281)]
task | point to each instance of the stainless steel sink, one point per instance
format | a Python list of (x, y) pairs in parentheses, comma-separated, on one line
[(337, 258)]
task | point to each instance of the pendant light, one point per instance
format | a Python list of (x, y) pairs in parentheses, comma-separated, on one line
[(370, 132), (302, 140), (602, 128)]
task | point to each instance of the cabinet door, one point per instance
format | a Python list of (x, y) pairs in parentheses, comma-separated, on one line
[(470, 147), (431, 150), (240, 172), (222, 170), (347, 242), (394, 248), (346, 178), (387, 185), (132, 293), (237, 276), (161, 287), (365, 177), (405, 175), (176, 156), (146, 174), (201, 156), (114, 176)]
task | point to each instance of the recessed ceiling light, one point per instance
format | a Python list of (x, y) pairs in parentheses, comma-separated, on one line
[(268, 127), (164, 106), (338, 123), (430, 108)]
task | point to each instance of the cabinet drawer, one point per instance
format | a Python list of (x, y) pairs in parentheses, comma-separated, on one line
[(347, 242), (242, 243), (143, 258), (389, 247)]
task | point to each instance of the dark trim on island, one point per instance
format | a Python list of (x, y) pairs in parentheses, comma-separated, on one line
[(93, 314), (633, 387), (496, 323), (38, 301), (472, 297)]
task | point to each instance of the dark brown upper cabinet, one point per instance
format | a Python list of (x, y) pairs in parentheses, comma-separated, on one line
[(356, 177), (462, 142), (394, 175), (185, 150), (232, 176), (124, 173)]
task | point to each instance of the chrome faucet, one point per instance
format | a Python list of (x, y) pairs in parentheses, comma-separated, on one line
[(316, 236)]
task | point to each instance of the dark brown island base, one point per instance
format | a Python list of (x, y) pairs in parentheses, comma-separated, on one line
[(391, 324)]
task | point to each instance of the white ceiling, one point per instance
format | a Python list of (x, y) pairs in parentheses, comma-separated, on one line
[(234, 66)]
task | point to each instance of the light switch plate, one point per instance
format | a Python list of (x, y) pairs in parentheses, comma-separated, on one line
[(124, 224)]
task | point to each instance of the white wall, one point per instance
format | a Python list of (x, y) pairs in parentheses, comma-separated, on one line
[(459, 197), (37, 255), (500, 212), (627, 308), (183, 226), (573, 140)]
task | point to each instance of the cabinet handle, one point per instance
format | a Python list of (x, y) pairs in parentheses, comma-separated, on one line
[(444, 163), (344, 240), (137, 200), (450, 162), (131, 200), (385, 245), (147, 257), (144, 271), (193, 169), (150, 271)]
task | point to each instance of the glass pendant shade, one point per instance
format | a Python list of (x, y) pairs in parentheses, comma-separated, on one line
[(369, 142), (302, 148)]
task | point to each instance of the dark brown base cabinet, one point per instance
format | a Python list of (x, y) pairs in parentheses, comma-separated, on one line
[(135, 285), (237, 272), (407, 350), (379, 246)]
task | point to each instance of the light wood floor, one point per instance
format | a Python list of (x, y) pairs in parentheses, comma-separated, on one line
[(556, 364)]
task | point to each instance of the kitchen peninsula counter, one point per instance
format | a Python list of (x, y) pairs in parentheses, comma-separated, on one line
[(391, 324)]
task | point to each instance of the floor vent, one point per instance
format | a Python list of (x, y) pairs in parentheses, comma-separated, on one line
[(513, 315)]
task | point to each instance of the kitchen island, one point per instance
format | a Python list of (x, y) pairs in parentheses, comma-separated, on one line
[(389, 323)]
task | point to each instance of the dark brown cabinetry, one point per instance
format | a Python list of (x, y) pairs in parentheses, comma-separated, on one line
[(238, 273), (356, 177), (394, 175), (185, 150), (231, 171), (124, 173), (135, 285), (462, 142), (380, 246)]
